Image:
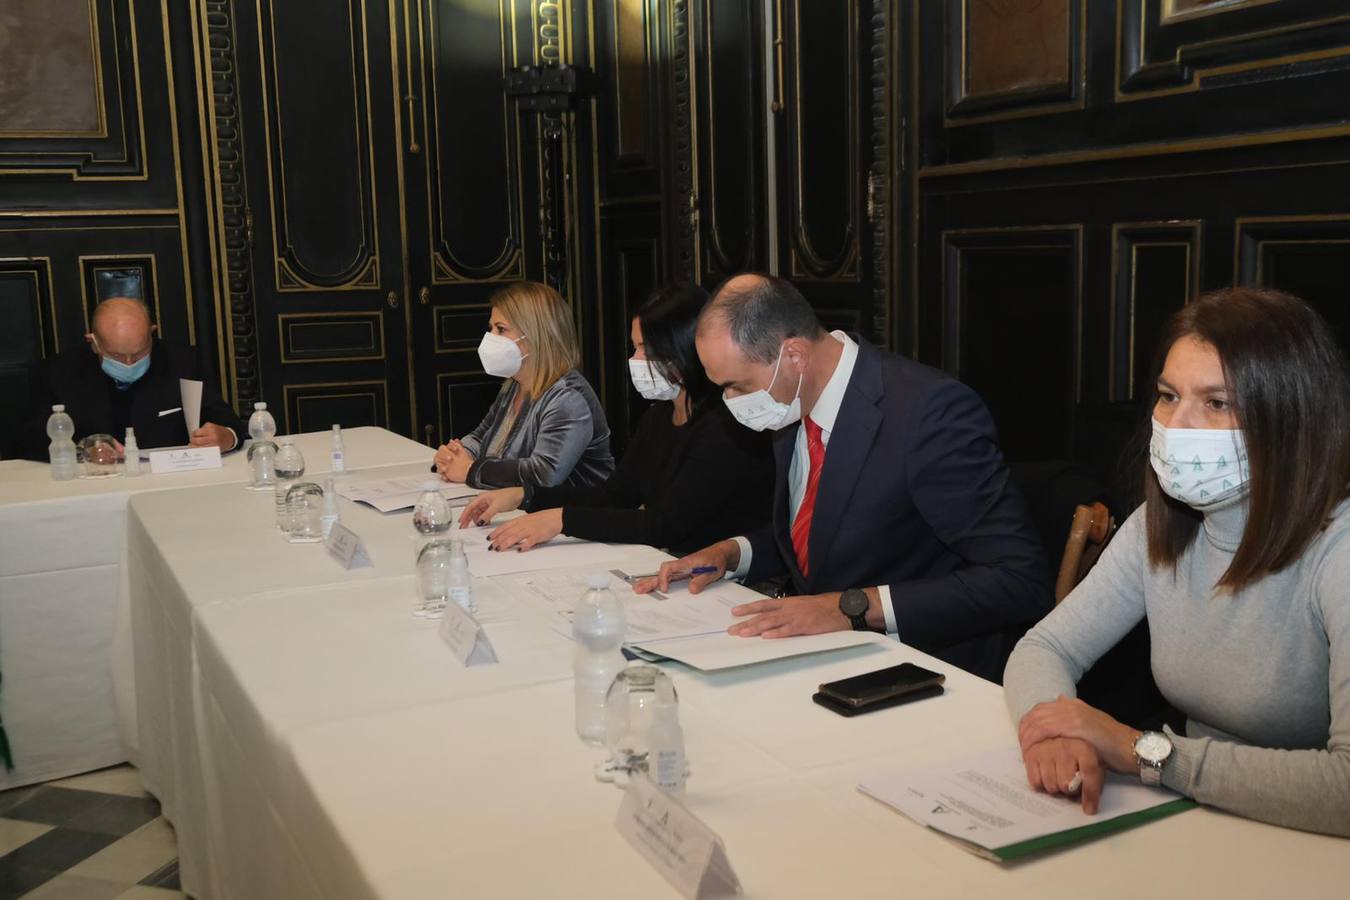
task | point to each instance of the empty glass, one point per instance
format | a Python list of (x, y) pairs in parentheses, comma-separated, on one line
[(631, 719), (98, 454), (304, 512), (262, 457)]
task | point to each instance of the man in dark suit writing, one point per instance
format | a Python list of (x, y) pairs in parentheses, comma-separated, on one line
[(126, 377), (892, 507)]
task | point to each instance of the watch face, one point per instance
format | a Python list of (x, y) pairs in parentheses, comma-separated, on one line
[(1153, 747), (853, 602)]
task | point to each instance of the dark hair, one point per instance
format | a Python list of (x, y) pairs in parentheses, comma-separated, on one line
[(669, 320), (1291, 396), (761, 312)]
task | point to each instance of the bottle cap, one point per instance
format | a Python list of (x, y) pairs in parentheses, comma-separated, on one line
[(59, 407), (597, 581), (260, 405), (336, 428), (431, 486), (131, 433)]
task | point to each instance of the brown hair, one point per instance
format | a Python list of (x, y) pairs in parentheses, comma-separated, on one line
[(1290, 390), (546, 321)]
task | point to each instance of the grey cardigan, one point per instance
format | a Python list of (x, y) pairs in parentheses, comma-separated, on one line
[(560, 437), (1263, 675)]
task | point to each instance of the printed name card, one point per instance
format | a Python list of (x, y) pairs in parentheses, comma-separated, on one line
[(184, 459), (686, 852), (465, 637), (346, 547)]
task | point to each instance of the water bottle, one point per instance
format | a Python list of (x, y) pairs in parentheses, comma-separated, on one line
[(339, 454), (666, 742), (289, 466), (330, 507), (261, 425), (61, 429), (598, 626), (131, 454), (431, 516), (461, 582)]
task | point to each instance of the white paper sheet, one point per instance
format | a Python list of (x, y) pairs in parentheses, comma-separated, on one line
[(710, 652), (651, 617), (390, 494), (592, 557), (191, 392), (985, 800)]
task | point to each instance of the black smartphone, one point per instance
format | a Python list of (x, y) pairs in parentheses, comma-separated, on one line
[(896, 683)]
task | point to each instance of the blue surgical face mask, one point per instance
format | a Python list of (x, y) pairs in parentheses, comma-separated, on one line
[(126, 374)]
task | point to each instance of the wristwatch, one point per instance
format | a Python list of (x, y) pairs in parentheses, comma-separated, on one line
[(1151, 750), (853, 603)]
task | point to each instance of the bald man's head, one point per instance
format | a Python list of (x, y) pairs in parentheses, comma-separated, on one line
[(759, 312), (121, 329)]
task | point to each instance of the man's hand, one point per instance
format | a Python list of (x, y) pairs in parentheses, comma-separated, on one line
[(1052, 765), (486, 505), (525, 532), (722, 557), (779, 617), (1072, 718), (213, 435)]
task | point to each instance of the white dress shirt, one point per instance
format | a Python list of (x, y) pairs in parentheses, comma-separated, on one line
[(823, 414)]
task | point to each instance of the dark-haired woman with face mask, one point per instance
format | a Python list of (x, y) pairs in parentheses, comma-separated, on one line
[(691, 475), (1240, 560)]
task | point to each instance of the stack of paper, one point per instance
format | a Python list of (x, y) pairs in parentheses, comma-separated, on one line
[(390, 494), (985, 804)]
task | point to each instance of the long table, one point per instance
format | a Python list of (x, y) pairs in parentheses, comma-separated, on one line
[(61, 550), (310, 738)]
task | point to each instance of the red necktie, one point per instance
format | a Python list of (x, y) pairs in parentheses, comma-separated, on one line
[(801, 526)]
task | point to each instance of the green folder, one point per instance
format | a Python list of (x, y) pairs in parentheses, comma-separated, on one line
[(1059, 839)]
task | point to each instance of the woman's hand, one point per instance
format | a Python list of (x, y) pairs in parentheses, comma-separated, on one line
[(486, 505), (1072, 718), (527, 531), (453, 461), (1053, 764)]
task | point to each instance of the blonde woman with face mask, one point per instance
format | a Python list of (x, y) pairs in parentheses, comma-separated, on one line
[(1240, 561), (546, 427)]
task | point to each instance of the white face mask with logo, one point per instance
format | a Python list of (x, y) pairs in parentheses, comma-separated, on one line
[(758, 410), (500, 355), (649, 381), (1201, 467)]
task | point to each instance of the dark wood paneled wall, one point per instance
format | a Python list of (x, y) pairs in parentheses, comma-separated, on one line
[(1079, 170)]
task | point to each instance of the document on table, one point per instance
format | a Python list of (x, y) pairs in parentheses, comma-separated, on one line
[(651, 617), (711, 652), (191, 392), (985, 804), (390, 494)]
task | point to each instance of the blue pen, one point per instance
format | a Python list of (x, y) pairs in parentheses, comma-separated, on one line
[(702, 570)]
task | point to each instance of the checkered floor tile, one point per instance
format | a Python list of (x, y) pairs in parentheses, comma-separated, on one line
[(92, 837)]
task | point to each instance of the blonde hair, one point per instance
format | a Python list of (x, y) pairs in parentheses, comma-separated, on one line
[(539, 313)]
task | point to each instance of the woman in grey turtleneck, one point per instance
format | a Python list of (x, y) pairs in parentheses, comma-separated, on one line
[(1240, 559)]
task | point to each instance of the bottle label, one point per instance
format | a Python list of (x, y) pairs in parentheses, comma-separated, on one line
[(339, 464)]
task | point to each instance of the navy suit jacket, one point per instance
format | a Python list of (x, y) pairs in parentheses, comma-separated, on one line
[(75, 378), (914, 494)]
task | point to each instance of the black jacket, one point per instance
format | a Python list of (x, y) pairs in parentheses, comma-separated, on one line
[(76, 379)]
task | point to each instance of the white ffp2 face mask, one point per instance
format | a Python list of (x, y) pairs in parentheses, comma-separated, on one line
[(1200, 467), (500, 355), (649, 382), (758, 410)]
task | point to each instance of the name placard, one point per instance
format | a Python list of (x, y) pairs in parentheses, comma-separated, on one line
[(346, 547), (186, 459), (465, 637), (676, 843)]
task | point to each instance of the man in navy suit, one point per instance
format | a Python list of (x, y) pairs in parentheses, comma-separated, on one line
[(892, 510)]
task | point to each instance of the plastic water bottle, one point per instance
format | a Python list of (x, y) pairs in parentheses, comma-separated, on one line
[(461, 582), (288, 466), (431, 516), (667, 746), (261, 425), (131, 455), (330, 507), (61, 429), (598, 627), (339, 453)]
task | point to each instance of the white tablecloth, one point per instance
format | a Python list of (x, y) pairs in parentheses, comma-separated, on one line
[(61, 548), (310, 738)]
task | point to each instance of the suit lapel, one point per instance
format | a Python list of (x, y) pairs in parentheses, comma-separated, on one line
[(850, 442)]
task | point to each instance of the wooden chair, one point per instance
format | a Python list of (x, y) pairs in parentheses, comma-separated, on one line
[(1092, 528)]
